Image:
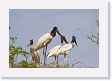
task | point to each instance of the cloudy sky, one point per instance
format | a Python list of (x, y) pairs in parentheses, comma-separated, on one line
[(33, 23)]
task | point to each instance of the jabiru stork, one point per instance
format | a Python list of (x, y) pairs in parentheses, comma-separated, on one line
[(34, 54), (62, 50), (53, 51), (44, 40)]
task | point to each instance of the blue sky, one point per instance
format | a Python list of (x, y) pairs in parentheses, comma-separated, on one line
[(29, 24)]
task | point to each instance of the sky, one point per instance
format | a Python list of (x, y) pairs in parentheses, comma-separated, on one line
[(29, 24)]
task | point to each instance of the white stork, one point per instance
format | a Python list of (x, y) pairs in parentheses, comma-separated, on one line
[(45, 40), (34, 54), (62, 49)]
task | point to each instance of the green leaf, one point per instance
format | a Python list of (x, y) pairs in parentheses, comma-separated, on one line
[(23, 64)]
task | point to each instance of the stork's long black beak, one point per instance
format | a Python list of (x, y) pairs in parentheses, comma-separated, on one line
[(58, 32), (61, 40), (28, 44), (62, 37), (76, 43)]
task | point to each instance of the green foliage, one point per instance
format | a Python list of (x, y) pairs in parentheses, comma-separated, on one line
[(11, 58), (32, 66), (15, 50), (23, 64)]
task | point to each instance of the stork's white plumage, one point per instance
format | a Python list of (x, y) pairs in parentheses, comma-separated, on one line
[(45, 40), (34, 54), (62, 49), (54, 51)]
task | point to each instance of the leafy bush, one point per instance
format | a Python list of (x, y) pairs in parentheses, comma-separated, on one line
[(15, 51)]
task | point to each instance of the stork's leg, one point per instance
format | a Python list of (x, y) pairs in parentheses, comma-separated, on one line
[(57, 60), (65, 58), (45, 55), (43, 51)]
